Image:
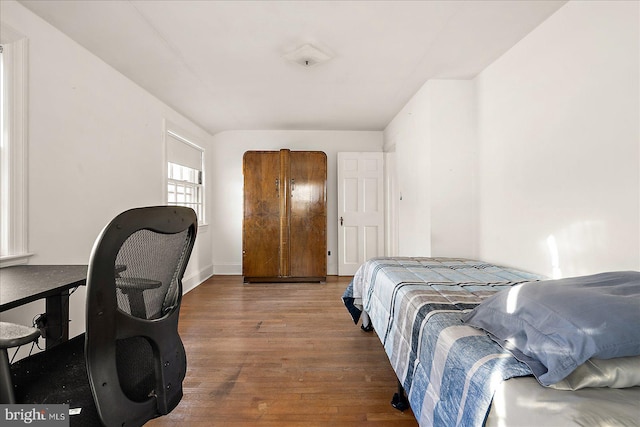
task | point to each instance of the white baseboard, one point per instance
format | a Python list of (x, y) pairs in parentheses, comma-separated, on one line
[(227, 269), (191, 282)]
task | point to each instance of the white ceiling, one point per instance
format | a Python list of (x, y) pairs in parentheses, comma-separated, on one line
[(221, 63)]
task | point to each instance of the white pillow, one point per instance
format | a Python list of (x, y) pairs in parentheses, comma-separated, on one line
[(613, 373)]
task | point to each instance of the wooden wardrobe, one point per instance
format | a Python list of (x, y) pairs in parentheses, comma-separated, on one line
[(284, 228)]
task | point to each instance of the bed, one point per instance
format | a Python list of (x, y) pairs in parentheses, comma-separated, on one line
[(458, 371)]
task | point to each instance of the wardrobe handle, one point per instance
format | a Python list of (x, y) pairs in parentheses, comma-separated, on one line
[(293, 186), (277, 187)]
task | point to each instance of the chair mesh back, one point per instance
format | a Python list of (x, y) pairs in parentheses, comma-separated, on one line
[(136, 362), (148, 264)]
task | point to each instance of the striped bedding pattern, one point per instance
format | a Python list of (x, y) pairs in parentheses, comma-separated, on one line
[(448, 369)]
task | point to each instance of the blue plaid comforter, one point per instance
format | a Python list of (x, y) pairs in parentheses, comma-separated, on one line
[(449, 370)]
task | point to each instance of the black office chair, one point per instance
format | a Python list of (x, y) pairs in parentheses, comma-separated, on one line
[(129, 365)]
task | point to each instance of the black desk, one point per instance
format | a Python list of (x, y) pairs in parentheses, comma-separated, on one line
[(22, 284)]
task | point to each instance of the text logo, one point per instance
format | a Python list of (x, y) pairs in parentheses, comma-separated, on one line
[(35, 415)]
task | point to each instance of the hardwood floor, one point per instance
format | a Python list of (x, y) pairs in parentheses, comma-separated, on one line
[(285, 354)]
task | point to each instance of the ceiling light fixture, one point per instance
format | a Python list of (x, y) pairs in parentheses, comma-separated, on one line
[(307, 56)]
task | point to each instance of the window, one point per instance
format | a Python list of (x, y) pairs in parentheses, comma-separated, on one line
[(13, 148), (184, 187), (185, 173)]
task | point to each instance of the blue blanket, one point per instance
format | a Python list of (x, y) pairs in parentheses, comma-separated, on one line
[(448, 369)]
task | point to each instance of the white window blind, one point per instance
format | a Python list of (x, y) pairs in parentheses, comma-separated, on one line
[(185, 174), (182, 152)]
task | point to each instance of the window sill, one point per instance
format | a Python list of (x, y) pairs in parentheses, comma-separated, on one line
[(9, 260)]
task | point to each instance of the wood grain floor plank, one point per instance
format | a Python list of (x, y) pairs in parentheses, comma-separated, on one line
[(280, 354)]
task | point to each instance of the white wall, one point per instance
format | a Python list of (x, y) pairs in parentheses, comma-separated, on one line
[(434, 138), (453, 170), (559, 134), (95, 148), (544, 142), (226, 182), (408, 136)]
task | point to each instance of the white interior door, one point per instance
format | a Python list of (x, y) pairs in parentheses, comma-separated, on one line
[(360, 209)]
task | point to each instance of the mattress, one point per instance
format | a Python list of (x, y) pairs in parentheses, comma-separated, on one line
[(450, 370)]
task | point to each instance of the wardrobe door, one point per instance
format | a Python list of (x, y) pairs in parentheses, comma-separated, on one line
[(261, 224), (308, 214)]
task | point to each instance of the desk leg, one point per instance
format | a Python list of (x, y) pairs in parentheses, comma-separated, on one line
[(57, 319)]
